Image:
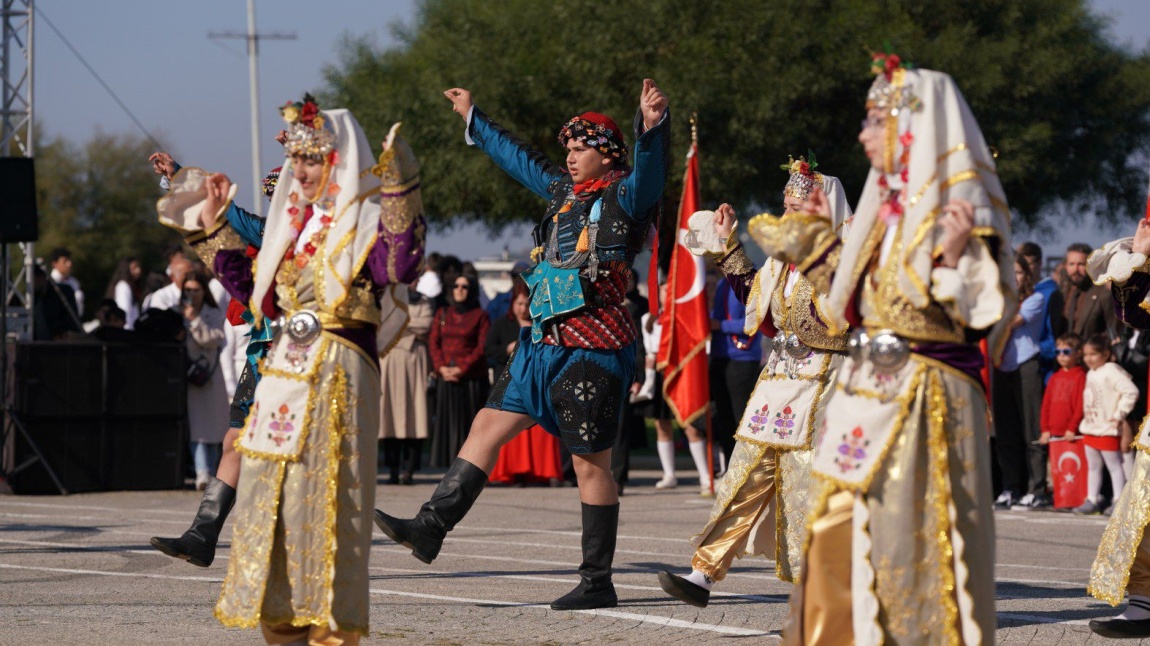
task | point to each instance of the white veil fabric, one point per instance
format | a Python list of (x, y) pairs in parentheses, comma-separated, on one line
[(949, 159), (355, 218), (768, 277)]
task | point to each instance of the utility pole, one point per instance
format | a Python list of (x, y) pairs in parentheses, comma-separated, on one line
[(252, 37)]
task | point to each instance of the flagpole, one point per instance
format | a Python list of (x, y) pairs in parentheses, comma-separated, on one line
[(709, 427)]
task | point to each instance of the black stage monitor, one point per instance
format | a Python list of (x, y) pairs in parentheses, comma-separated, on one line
[(18, 219)]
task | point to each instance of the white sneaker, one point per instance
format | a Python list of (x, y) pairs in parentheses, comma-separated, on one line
[(201, 480), (668, 482), (1025, 502), (705, 490), (646, 392)]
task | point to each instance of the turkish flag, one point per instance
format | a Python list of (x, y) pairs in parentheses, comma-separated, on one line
[(1068, 471), (685, 319)]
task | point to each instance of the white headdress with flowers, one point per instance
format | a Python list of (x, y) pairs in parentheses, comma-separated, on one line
[(352, 196), (935, 153)]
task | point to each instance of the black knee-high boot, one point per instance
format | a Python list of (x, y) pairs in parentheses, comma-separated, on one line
[(452, 499), (198, 545), (595, 590)]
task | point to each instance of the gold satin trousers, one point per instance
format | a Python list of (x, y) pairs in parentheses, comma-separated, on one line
[(731, 530)]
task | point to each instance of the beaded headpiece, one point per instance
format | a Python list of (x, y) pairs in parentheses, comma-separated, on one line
[(803, 179), (888, 91), (306, 134), (597, 131)]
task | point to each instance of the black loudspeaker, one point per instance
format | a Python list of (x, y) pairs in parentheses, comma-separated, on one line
[(144, 382), (18, 217), (104, 416), (60, 379)]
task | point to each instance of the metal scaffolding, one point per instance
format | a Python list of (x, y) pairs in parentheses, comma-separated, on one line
[(16, 141)]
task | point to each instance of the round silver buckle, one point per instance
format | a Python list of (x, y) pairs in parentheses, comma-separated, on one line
[(303, 327), (857, 345), (795, 347), (888, 352)]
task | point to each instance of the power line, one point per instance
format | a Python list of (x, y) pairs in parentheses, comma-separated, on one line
[(98, 78)]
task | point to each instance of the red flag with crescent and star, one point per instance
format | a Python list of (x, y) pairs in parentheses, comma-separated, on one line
[(1068, 472), (685, 319)]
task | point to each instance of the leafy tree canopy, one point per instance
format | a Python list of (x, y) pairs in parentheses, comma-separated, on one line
[(1066, 109), (99, 200)]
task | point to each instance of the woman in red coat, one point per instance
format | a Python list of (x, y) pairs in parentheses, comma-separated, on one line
[(532, 456), (458, 337)]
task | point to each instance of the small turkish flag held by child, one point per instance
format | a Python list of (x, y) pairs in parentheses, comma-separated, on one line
[(1068, 471)]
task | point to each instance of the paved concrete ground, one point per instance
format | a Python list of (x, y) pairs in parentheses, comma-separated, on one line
[(79, 570)]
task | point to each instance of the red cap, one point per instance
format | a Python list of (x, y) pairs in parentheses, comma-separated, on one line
[(603, 120)]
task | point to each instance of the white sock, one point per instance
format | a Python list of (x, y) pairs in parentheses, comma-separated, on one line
[(699, 453), (666, 457), (1095, 466), (700, 579), (649, 378), (1138, 608)]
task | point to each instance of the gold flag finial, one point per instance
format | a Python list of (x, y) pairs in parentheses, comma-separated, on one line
[(694, 127)]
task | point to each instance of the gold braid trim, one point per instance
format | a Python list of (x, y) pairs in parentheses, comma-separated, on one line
[(222, 237), (939, 501), (735, 262)]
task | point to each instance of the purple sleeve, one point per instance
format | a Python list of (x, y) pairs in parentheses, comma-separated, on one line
[(741, 285), (233, 268), (396, 257), (1128, 300)]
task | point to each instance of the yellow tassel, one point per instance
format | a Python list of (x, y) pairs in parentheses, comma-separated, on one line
[(584, 245), (536, 254)]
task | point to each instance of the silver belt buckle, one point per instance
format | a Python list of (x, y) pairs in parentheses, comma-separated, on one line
[(303, 327), (889, 352), (780, 343), (795, 347)]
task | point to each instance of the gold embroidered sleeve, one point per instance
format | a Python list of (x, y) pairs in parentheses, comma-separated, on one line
[(207, 244), (735, 262)]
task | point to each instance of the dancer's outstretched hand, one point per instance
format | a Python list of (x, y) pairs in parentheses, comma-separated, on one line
[(163, 164), (725, 221), (958, 221), (1142, 238), (653, 103), (460, 100), (218, 186), (817, 204)]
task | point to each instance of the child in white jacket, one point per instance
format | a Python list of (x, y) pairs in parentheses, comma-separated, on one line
[(1110, 395)]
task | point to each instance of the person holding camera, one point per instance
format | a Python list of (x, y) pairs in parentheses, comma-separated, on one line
[(207, 393)]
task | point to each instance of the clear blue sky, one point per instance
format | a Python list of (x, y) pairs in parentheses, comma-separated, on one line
[(192, 92)]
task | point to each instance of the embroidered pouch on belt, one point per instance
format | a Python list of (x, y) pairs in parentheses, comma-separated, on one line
[(863, 418), (277, 426), (554, 292), (781, 410)]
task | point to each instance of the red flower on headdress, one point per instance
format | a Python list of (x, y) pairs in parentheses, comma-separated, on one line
[(804, 168), (308, 112), (892, 63)]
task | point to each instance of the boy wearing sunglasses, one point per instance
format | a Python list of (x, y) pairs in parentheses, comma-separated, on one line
[(1062, 402)]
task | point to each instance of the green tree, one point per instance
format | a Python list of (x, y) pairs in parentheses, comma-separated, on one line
[(1067, 110), (99, 200)]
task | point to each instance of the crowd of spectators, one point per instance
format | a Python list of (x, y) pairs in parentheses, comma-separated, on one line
[(1069, 370)]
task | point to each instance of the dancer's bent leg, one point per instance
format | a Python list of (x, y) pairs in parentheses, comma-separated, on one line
[(459, 488), (600, 502), (730, 530), (198, 545)]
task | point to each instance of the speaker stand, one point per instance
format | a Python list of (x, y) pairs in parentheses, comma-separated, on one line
[(10, 420), (14, 426)]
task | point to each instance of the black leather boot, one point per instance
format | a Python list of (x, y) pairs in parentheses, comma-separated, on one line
[(595, 590), (198, 545), (452, 499)]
